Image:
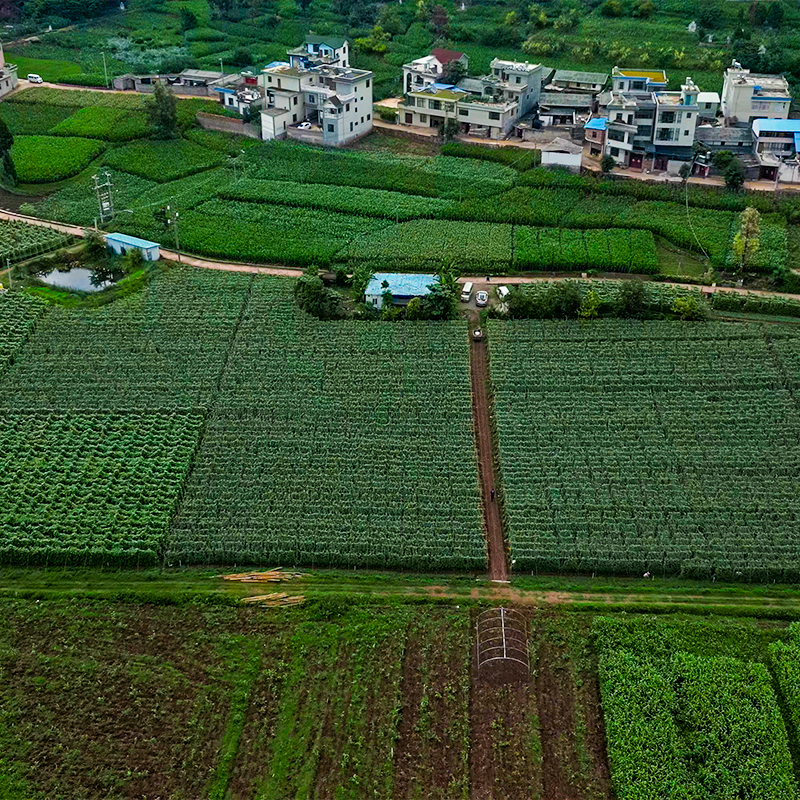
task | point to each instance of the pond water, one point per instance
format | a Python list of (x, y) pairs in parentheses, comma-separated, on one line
[(79, 279)]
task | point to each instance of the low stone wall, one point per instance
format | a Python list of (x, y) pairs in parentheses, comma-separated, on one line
[(212, 122), (402, 132)]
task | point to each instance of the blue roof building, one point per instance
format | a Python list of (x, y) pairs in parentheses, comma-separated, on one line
[(596, 124), (777, 144), (121, 243), (404, 287)]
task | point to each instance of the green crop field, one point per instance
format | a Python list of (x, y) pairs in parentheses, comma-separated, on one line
[(632, 447), (232, 356), (45, 159), (18, 240)]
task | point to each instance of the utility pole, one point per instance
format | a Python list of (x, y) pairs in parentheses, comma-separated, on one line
[(172, 219), (105, 197), (220, 67)]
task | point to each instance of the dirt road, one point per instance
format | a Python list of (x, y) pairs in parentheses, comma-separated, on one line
[(493, 524)]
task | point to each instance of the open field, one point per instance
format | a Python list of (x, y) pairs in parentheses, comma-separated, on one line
[(345, 697)]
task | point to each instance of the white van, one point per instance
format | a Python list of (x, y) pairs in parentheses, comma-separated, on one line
[(34, 78), (502, 292), (466, 292)]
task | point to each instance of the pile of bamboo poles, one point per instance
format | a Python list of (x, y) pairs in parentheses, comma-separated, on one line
[(274, 575), (276, 599)]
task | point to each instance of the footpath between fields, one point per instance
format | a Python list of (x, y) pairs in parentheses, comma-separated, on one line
[(480, 281)]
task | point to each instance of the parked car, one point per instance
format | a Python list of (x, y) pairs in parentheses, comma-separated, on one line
[(34, 78), (304, 126), (502, 292), (466, 292), (482, 298)]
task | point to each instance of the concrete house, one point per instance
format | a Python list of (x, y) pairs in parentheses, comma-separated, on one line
[(424, 71), (595, 136), (568, 80), (708, 105), (562, 153), (333, 99), (189, 83), (562, 108), (403, 288), (747, 96), (8, 75), (776, 144)]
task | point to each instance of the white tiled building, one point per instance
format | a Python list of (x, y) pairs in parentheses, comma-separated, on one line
[(424, 71), (8, 75), (747, 96), (320, 88)]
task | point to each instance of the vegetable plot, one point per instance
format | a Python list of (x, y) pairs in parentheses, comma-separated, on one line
[(100, 122), (685, 720), (163, 161), (630, 447), (19, 314), (374, 467), (86, 489), (46, 159), (18, 240)]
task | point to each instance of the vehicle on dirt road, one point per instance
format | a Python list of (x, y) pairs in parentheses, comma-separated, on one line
[(34, 78), (481, 299), (503, 292), (466, 292)]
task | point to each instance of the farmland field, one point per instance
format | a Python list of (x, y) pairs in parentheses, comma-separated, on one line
[(339, 698), (631, 447), (45, 159)]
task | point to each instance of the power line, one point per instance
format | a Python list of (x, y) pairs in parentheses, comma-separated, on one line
[(105, 197)]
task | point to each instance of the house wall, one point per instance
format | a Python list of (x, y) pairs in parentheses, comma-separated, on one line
[(9, 81), (354, 118), (738, 101), (570, 160), (148, 253), (274, 127), (212, 122)]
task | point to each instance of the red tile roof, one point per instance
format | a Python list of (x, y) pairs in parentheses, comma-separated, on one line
[(445, 56)]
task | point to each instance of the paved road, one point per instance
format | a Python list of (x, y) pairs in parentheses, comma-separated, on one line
[(479, 282)]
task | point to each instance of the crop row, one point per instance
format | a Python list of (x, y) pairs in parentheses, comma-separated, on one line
[(682, 723), (18, 240), (384, 427), (163, 161), (83, 489), (19, 314), (47, 159), (101, 122), (631, 454)]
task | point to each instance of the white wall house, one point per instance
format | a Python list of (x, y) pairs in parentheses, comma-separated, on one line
[(8, 75), (424, 71), (317, 51), (574, 81), (747, 96), (334, 98)]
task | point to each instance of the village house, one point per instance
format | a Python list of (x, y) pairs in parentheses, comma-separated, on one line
[(562, 153), (403, 288), (747, 96), (486, 106), (242, 96), (424, 71), (595, 136), (571, 81), (316, 96), (776, 144), (8, 75), (189, 83), (562, 108)]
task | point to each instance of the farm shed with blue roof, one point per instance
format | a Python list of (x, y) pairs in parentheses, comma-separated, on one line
[(120, 243), (403, 287)]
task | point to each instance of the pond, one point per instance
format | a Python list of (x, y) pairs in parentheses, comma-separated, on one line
[(79, 279)]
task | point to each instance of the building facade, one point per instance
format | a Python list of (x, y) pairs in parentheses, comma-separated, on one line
[(747, 96), (568, 80), (334, 99), (422, 72), (776, 144), (8, 75)]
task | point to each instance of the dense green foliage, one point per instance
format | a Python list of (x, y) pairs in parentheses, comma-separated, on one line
[(162, 161), (687, 715), (46, 159), (384, 426), (18, 240), (101, 122), (19, 314), (631, 447)]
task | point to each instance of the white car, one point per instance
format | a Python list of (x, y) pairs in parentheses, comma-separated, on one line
[(34, 78), (304, 126), (502, 292), (482, 298)]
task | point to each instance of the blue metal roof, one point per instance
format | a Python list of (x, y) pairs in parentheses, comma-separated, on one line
[(400, 284), (133, 241), (277, 64), (797, 142), (596, 124), (776, 125)]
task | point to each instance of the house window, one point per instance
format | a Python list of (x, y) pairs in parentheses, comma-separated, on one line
[(494, 115), (351, 127), (295, 101), (615, 151), (708, 105), (347, 107), (517, 80), (435, 104), (312, 99), (497, 72), (637, 85), (688, 115), (411, 101), (269, 79), (294, 117), (463, 112), (667, 117), (664, 134), (686, 133), (369, 116), (423, 117), (367, 83), (362, 119), (616, 136), (619, 116)]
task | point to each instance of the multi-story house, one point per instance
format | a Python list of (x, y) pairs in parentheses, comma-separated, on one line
[(319, 51), (486, 106), (644, 126), (333, 98), (638, 81), (423, 72), (747, 96), (776, 143)]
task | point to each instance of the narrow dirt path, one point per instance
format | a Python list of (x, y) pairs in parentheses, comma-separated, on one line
[(492, 522)]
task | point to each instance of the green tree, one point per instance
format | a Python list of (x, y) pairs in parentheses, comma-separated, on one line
[(590, 305), (6, 141), (161, 111), (450, 129), (644, 9), (376, 42), (630, 301), (747, 240), (721, 159), (685, 171), (132, 261), (607, 163), (454, 71), (362, 275), (734, 175), (95, 245), (414, 309), (611, 8), (188, 20), (688, 308)]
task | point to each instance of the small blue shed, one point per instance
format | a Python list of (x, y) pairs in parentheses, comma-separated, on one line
[(120, 243), (403, 287)]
